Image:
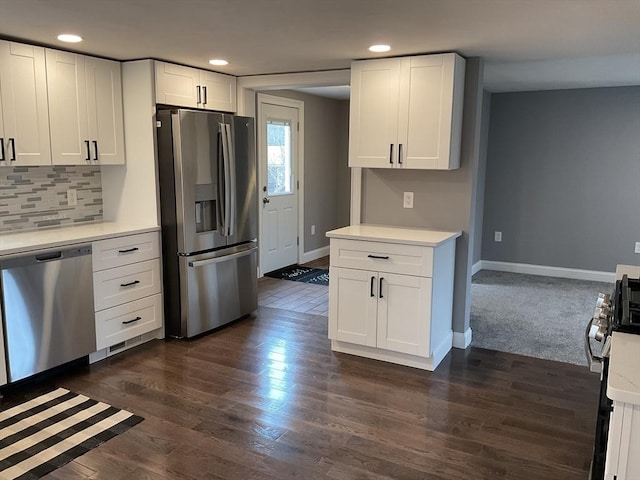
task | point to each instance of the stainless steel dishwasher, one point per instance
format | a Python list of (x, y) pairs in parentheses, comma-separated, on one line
[(47, 304)]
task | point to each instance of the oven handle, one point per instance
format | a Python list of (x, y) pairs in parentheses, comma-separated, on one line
[(595, 363)]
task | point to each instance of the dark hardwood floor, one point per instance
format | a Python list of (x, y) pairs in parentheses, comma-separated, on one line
[(265, 398)]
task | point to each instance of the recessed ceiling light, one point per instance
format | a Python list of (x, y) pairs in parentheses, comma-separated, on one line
[(218, 61), (379, 48), (70, 38)]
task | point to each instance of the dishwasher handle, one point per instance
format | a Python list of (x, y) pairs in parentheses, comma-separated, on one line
[(49, 256)]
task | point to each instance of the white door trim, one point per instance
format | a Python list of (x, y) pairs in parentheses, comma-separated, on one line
[(299, 105)]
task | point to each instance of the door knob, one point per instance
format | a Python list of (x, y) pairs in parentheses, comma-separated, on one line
[(265, 200)]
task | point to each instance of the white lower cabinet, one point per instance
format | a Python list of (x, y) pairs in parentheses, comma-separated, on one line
[(380, 309), (390, 300), (623, 462), (118, 324), (127, 283)]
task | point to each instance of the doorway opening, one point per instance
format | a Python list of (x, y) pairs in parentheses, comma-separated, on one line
[(280, 163)]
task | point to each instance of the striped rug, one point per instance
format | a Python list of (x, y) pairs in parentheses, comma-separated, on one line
[(42, 434)]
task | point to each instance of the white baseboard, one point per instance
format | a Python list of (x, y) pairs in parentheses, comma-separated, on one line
[(462, 340), (314, 254), (476, 267), (577, 274)]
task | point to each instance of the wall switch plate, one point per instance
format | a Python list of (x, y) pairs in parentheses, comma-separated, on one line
[(497, 237), (72, 197), (407, 200), (313, 229), (637, 250)]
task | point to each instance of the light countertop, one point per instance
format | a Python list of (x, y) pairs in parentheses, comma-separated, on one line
[(19, 242), (389, 234), (624, 375)]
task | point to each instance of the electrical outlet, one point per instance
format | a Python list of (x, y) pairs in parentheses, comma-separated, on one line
[(72, 197), (313, 229), (637, 250), (407, 200), (497, 237)]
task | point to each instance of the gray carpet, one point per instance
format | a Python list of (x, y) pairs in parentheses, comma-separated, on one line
[(531, 315)]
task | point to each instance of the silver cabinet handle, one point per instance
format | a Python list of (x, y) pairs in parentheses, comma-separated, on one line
[(204, 90), (224, 258)]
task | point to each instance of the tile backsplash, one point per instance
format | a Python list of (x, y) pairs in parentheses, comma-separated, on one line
[(36, 197)]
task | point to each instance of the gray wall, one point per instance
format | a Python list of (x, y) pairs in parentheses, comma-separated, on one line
[(325, 165), (443, 200), (563, 178), (478, 214)]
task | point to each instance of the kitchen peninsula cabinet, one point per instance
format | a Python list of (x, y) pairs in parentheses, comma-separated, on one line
[(407, 112), (85, 108), (190, 87), (24, 119), (623, 387), (391, 293)]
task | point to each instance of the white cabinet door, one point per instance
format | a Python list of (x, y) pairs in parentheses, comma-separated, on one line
[(104, 101), (353, 306), (373, 130), (190, 87), (430, 114), (406, 112), (404, 321), (24, 109), (218, 91), (85, 107), (177, 85), (67, 86)]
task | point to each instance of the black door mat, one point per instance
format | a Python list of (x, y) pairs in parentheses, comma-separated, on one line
[(297, 273)]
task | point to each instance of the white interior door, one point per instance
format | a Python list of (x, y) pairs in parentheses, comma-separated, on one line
[(278, 151)]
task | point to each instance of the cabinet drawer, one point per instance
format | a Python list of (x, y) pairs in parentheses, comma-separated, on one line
[(382, 257), (118, 251), (117, 324), (127, 283)]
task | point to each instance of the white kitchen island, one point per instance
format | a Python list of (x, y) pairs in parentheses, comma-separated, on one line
[(623, 387), (391, 293)]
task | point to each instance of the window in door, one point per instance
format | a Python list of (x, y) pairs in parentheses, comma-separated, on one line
[(279, 158)]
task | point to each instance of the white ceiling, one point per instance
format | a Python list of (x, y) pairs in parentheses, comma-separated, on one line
[(526, 44)]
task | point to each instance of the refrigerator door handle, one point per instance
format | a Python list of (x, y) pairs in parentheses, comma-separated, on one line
[(231, 155), (221, 183), (227, 180), (224, 258)]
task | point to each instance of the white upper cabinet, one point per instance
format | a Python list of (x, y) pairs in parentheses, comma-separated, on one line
[(85, 109), (104, 104), (24, 122), (190, 87), (407, 112)]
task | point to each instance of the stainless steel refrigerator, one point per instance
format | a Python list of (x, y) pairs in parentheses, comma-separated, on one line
[(209, 211)]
